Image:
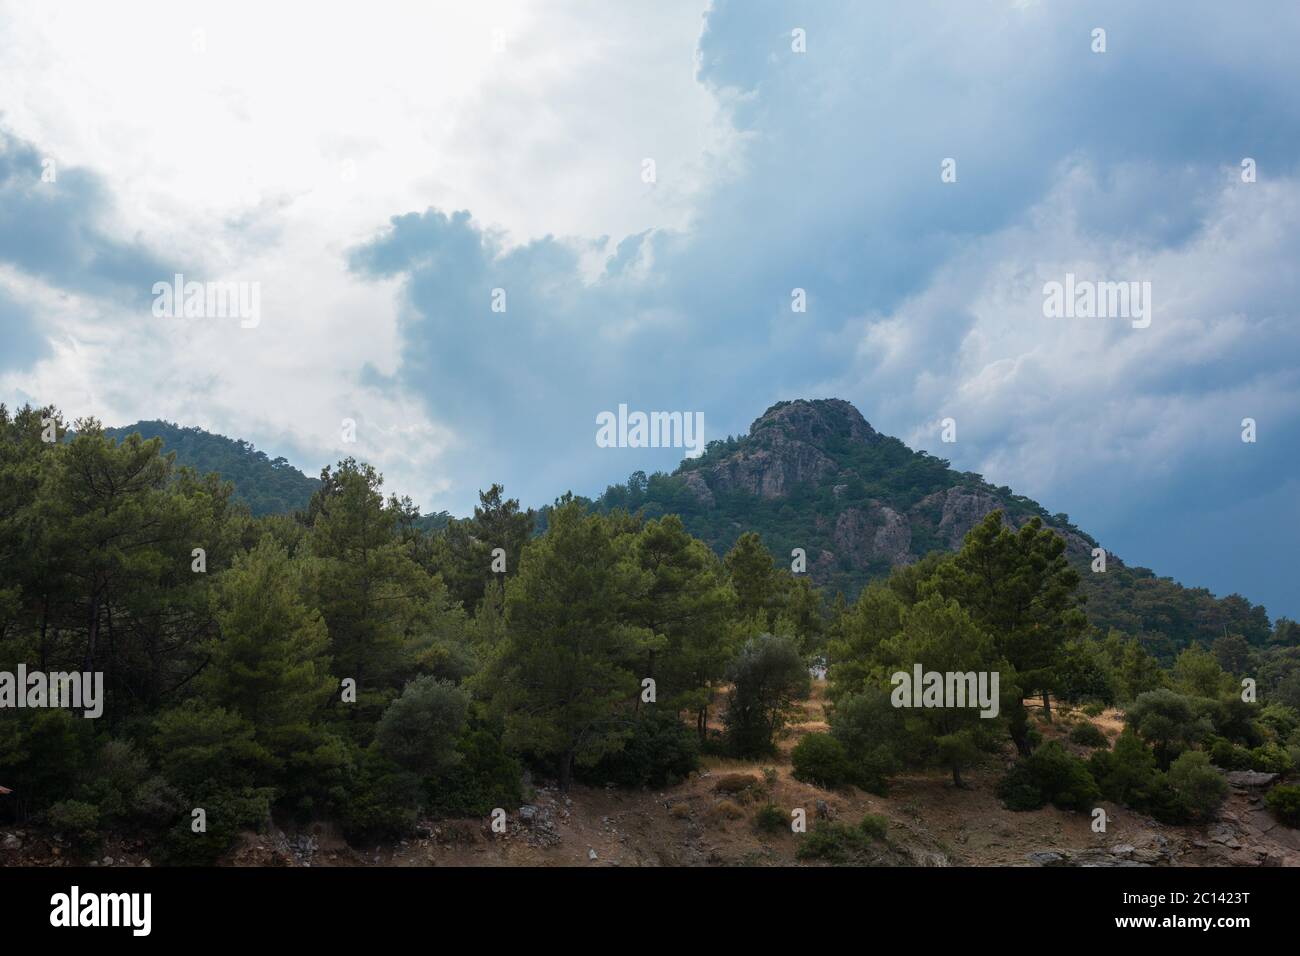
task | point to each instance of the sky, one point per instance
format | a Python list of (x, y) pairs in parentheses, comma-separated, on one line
[(643, 186)]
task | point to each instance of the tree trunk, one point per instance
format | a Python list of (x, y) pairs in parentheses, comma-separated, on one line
[(1018, 727), (956, 778), (1047, 705), (93, 634), (566, 770)]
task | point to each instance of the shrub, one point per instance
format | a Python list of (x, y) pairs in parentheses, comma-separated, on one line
[(771, 819), (872, 732), (1282, 721), (1224, 753), (1284, 801), (484, 777), (419, 730), (1270, 758), (661, 751), (42, 752), (836, 843), (680, 811), (875, 826), (381, 800), (1087, 734), (820, 759), (78, 821), (1199, 788), (1049, 775), (1127, 773), (227, 812), (1094, 708)]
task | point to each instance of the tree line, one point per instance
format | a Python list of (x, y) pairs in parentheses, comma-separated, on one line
[(351, 662)]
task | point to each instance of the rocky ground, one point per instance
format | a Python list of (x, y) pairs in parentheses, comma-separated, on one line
[(706, 821)]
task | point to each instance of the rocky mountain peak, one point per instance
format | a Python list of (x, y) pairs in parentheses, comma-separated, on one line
[(814, 421)]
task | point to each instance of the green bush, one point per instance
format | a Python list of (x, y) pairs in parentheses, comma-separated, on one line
[(1199, 789), (382, 800), (1049, 775), (228, 811), (42, 755), (419, 730), (78, 821), (836, 843), (1224, 753), (661, 751), (1088, 735), (1270, 758), (1127, 773), (821, 760), (771, 819), (1284, 801), (1282, 721), (485, 777), (874, 738), (875, 826)]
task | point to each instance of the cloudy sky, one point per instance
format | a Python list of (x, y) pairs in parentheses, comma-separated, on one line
[(379, 171)]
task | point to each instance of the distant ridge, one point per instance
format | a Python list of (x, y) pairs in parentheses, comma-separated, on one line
[(267, 485)]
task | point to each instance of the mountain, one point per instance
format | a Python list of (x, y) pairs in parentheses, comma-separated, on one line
[(815, 475), (268, 485)]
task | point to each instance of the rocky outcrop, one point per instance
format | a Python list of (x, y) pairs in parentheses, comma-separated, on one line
[(697, 486), (787, 445), (960, 509), (773, 471), (1249, 778), (873, 534)]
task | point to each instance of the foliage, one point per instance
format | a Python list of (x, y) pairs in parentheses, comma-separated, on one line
[(660, 751), (1049, 775), (767, 677), (837, 843), (820, 759), (771, 819), (1087, 734), (1284, 801)]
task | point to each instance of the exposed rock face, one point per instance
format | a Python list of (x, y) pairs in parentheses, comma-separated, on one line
[(700, 488), (771, 472), (874, 534), (963, 509), (787, 446), (814, 422)]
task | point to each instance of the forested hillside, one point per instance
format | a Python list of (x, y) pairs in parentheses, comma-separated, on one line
[(268, 485)]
